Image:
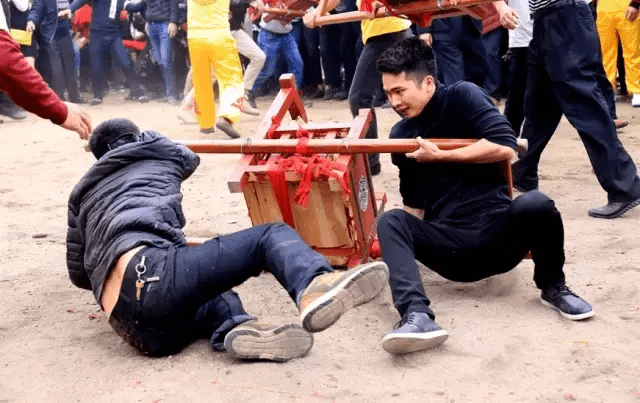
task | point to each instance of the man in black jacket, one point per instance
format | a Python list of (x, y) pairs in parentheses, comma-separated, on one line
[(125, 242), (458, 218)]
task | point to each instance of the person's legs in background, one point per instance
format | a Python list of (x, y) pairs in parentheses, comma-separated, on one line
[(137, 93), (162, 44)]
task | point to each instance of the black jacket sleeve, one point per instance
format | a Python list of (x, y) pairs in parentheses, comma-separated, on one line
[(75, 253)]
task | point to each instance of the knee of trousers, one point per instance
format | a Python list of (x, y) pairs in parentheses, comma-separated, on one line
[(392, 221), (533, 203)]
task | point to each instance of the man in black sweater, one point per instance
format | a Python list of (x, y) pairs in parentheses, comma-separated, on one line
[(458, 218), (125, 243)]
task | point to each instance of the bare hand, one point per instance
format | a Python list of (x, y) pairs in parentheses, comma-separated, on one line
[(78, 120), (309, 19), (172, 29), (31, 26), (64, 14), (428, 151), (510, 18), (631, 14), (259, 6), (427, 39)]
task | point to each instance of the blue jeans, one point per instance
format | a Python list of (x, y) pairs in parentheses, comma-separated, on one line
[(270, 44), (193, 299), (162, 46)]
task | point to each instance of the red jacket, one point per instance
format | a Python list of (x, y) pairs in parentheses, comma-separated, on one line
[(25, 86)]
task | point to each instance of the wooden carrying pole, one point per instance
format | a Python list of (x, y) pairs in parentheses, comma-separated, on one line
[(320, 146), (414, 8), (283, 12)]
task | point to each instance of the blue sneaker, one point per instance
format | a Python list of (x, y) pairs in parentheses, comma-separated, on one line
[(565, 301), (416, 331)]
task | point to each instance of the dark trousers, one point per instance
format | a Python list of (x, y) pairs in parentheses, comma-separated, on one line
[(311, 56), (102, 47), (514, 105), (192, 298), (63, 67), (530, 223), (460, 51), (495, 43), (562, 79), (367, 80), (337, 47)]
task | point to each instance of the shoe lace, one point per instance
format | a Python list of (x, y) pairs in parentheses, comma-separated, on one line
[(563, 290), (410, 318)]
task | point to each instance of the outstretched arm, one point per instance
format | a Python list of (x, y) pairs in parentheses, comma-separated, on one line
[(25, 87)]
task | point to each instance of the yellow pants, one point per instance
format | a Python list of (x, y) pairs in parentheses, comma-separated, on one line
[(610, 26), (220, 52)]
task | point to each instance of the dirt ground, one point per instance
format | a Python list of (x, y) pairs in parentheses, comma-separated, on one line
[(504, 346)]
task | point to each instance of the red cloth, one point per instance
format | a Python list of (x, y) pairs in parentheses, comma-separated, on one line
[(82, 21), (25, 86)]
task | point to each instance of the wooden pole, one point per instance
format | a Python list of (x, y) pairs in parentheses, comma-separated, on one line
[(320, 146), (413, 8)]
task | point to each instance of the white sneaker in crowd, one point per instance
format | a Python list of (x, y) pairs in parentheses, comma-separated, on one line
[(635, 101)]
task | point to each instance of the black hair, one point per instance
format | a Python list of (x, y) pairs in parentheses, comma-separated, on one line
[(410, 56), (111, 134)]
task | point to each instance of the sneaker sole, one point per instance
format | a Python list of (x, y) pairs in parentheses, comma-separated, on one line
[(408, 343), (355, 290), (580, 316), (622, 212), (279, 344)]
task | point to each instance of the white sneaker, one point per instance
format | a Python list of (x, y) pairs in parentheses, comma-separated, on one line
[(635, 101)]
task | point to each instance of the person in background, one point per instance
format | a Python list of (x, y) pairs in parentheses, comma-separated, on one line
[(56, 34)]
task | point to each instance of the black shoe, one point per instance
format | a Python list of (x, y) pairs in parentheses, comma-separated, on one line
[(416, 331), (375, 169), (78, 100), (524, 189), (227, 127), (565, 301), (138, 95), (315, 93), (340, 96), (613, 210), (95, 101)]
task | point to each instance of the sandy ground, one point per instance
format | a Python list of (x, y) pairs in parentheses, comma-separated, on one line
[(56, 345)]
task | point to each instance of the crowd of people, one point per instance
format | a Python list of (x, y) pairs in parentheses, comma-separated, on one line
[(444, 80)]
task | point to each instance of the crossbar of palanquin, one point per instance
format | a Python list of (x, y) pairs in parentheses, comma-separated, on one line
[(411, 10)]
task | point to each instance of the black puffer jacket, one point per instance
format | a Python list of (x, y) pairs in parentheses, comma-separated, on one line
[(129, 197), (156, 10)]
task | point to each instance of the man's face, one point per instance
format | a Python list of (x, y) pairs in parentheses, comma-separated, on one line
[(406, 97)]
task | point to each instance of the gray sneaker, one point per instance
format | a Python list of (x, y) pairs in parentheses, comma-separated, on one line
[(416, 331), (254, 340), (330, 295)]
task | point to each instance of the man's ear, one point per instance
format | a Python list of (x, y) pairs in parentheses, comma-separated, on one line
[(428, 82)]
